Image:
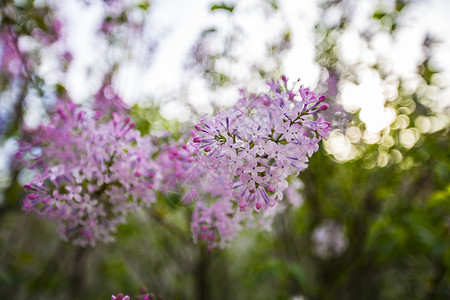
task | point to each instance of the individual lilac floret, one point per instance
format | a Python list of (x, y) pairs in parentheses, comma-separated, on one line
[(261, 140), (90, 174)]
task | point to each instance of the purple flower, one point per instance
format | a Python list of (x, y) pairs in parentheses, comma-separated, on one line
[(94, 171), (120, 297), (91, 174), (261, 141), (107, 100), (288, 131)]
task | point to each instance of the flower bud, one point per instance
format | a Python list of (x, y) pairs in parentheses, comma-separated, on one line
[(324, 106)]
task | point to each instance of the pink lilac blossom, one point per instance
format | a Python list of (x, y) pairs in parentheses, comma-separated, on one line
[(94, 171), (120, 296), (337, 115), (51, 34), (217, 224), (217, 221), (107, 101), (177, 170), (11, 58), (214, 218), (261, 140), (90, 174)]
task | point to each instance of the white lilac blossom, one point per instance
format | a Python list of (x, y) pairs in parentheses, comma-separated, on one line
[(256, 144), (329, 239), (90, 174)]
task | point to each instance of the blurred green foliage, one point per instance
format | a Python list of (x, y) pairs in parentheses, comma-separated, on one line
[(222, 6)]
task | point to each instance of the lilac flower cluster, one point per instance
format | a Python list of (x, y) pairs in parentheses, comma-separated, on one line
[(91, 174), (217, 224), (95, 170), (214, 219), (260, 141), (247, 154), (16, 61), (177, 170)]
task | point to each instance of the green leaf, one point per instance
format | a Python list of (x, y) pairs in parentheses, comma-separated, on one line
[(60, 89), (144, 5), (208, 31), (400, 5), (223, 6), (274, 4), (379, 15)]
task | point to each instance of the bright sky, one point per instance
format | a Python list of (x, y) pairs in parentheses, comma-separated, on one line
[(178, 23)]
